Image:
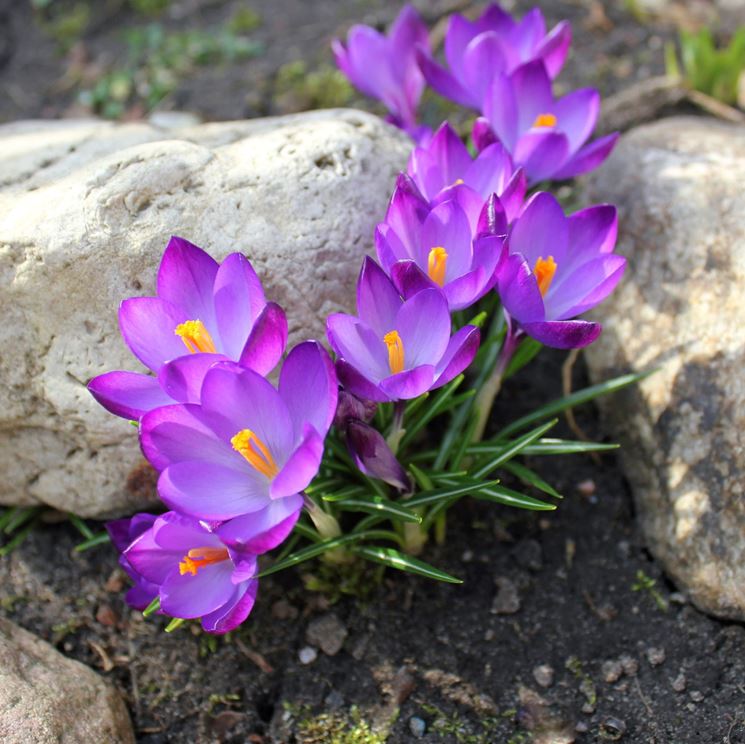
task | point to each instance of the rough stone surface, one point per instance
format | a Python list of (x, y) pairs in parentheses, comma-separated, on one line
[(327, 633), (86, 209), (680, 309), (46, 698)]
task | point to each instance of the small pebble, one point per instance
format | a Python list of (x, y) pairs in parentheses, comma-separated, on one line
[(582, 727), (696, 695), (328, 633), (612, 671), (588, 708), (586, 488), (655, 656), (467, 556), (613, 728), (402, 686), (417, 726), (544, 675), (507, 601), (307, 655), (679, 683), (630, 665), (678, 598), (489, 635), (106, 616)]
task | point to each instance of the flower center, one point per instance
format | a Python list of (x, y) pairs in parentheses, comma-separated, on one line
[(395, 351), (255, 451), (195, 337), (436, 264), (544, 273), (197, 558), (545, 120)]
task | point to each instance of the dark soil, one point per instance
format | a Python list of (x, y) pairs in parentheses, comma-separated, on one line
[(626, 662)]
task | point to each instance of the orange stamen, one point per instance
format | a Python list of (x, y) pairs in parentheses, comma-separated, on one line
[(545, 120), (195, 337), (437, 264), (544, 273), (256, 452), (197, 558), (395, 351)]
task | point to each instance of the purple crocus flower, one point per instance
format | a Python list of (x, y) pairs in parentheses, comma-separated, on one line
[(385, 67), (558, 267), (477, 51), (373, 456), (445, 162), (441, 246), (546, 136), (247, 443), (123, 532), (397, 349), (208, 571), (205, 312)]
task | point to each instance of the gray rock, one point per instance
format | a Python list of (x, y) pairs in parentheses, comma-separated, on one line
[(507, 601), (86, 209), (327, 633), (544, 675), (417, 726), (307, 655), (46, 698), (678, 184)]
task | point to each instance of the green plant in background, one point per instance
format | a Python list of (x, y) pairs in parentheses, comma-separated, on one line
[(706, 68), (324, 87)]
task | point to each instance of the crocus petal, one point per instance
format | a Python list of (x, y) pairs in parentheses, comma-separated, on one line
[(443, 82), (267, 340), (482, 60), (513, 196), (491, 170), (185, 432), (234, 611), (308, 386), (148, 325), (541, 230), (357, 383), (563, 334), (187, 596), (449, 156), (448, 226), (459, 34), (149, 560), (518, 290), (374, 457), (378, 300), (358, 344), (182, 378), (301, 467), (410, 279), (576, 114), (589, 157), (541, 152), (172, 531), (466, 289), (500, 108), (406, 34), (367, 57), (206, 490), (586, 287), (529, 32), (594, 229), (265, 529), (128, 394), (424, 326), (492, 219), (185, 279), (141, 595), (532, 90), (409, 384), (123, 532), (238, 300), (554, 48), (482, 134), (460, 353)]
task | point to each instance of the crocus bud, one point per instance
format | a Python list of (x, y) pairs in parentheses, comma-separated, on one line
[(351, 407), (374, 457)]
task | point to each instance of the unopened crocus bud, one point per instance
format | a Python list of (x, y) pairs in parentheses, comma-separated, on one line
[(374, 457), (351, 407)]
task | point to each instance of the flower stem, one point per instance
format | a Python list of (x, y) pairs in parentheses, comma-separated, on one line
[(324, 522), (397, 427), (485, 397)]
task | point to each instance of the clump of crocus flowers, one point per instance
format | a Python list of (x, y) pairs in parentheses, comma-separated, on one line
[(258, 447)]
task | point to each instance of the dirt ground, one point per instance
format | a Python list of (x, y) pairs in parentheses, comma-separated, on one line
[(564, 630)]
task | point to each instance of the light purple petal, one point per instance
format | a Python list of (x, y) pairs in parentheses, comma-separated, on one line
[(187, 596), (374, 457), (368, 62), (482, 133), (308, 386), (466, 289), (128, 394), (443, 82), (513, 196), (206, 490), (378, 300), (492, 220), (233, 612), (563, 334), (592, 232), (301, 467), (589, 285), (554, 48), (576, 115), (532, 90), (541, 231), (150, 560), (173, 531), (448, 227), (541, 152), (500, 107), (263, 530), (359, 345), (185, 279), (491, 170), (529, 33), (355, 382), (483, 59), (423, 324), (148, 325), (267, 340), (123, 532), (518, 290), (238, 300), (589, 157), (409, 384), (460, 353), (182, 378), (407, 33), (410, 279)]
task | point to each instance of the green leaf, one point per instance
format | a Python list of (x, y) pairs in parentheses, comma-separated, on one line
[(566, 447), (100, 539), (531, 478), (306, 531), (423, 480), (343, 493), (378, 505), (509, 449), (323, 484), (175, 623), (570, 401), (154, 606), (80, 526), (436, 407), (395, 559), (526, 352), (508, 497), (19, 517), (459, 487)]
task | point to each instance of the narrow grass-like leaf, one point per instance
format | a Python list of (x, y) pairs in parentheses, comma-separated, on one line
[(566, 447), (175, 623), (423, 480), (395, 559), (463, 488), (569, 401), (343, 493), (153, 607), (306, 531), (510, 449), (100, 539), (508, 497), (377, 505), (531, 478), (432, 410), (20, 516), (526, 352), (18, 538), (324, 484), (80, 526), (6, 516)]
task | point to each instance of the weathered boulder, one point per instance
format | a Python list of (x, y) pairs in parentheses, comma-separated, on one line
[(86, 209), (46, 698), (679, 187)]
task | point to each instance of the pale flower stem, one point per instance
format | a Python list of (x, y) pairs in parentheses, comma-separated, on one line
[(397, 427), (324, 522)]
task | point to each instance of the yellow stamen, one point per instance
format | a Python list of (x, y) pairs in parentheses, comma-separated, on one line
[(255, 451), (458, 182), (195, 336), (197, 558), (544, 273), (545, 120), (436, 265), (395, 351)]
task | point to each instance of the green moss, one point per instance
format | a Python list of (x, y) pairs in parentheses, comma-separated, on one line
[(338, 728), (453, 728), (323, 87)]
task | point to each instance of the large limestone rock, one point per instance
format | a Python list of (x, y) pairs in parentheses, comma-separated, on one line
[(86, 209), (681, 308), (46, 698)]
